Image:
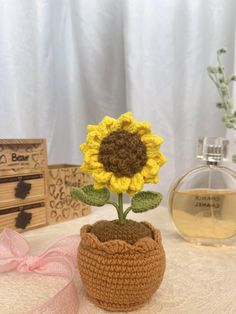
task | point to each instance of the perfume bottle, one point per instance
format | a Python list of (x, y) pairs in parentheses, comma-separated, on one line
[(202, 202)]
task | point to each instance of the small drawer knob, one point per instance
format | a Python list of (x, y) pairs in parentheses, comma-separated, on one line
[(23, 219), (22, 189)]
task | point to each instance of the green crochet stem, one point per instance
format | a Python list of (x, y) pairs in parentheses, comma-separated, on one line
[(120, 204), (127, 211), (140, 202), (119, 207), (116, 207)]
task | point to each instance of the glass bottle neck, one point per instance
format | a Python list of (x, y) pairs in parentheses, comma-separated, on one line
[(213, 163)]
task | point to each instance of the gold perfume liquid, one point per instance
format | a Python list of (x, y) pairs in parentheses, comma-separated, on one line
[(205, 213)]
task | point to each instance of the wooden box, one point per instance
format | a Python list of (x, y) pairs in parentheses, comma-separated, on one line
[(61, 206), (23, 184)]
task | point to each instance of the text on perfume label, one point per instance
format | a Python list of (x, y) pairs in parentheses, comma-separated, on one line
[(207, 201), (207, 205), (207, 198)]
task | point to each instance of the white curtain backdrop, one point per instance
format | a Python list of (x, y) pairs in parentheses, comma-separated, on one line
[(66, 63)]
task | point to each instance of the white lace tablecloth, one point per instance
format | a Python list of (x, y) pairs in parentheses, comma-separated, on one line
[(197, 279)]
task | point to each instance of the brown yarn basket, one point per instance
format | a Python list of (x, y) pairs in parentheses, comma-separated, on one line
[(118, 276)]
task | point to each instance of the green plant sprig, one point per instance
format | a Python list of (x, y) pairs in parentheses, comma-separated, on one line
[(140, 202), (222, 83)]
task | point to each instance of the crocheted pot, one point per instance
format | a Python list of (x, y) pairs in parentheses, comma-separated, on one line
[(118, 276)]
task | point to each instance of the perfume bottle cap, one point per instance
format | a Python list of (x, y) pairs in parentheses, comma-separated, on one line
[(212, 149)]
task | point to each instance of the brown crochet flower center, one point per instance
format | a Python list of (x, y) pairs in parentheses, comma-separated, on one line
[(122, 153)]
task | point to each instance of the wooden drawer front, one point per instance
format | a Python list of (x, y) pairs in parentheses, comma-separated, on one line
[(22, 156), (61, 206), (38, 211), (8, 185)]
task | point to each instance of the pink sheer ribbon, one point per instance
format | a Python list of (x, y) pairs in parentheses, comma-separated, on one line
[(58, 260)]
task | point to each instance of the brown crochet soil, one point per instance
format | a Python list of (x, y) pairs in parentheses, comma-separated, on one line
[(130, 232)]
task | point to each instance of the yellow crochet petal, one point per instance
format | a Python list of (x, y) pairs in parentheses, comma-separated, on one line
[(90, 158), (152, 180), (98, 185), (131, 128), (127, 121), (150, 169), (110, 123), (119, 185), (84, 147), (91, 128), (104, 128), (91, 152), (138, 128), (143, 128), (129, 124), (126, 118), (136, 183), (91, 166), (101, 176), (152, 140), (84, 167), (93, 145), (95, 165), (94, 138), (152, 153), (161, 159), (152, 143), (130, 192)]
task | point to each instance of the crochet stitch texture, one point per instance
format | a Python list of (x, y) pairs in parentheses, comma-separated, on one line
[(130, 232), (118, 276), (123, 153)]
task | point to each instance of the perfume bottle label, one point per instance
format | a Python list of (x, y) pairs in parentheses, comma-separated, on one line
[(205, 213), (208, 203)]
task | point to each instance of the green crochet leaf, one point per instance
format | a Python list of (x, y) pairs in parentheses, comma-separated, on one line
[(143, 201), (90, 196)]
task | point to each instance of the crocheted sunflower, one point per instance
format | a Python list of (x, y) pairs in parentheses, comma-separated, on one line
[(121, 155)]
